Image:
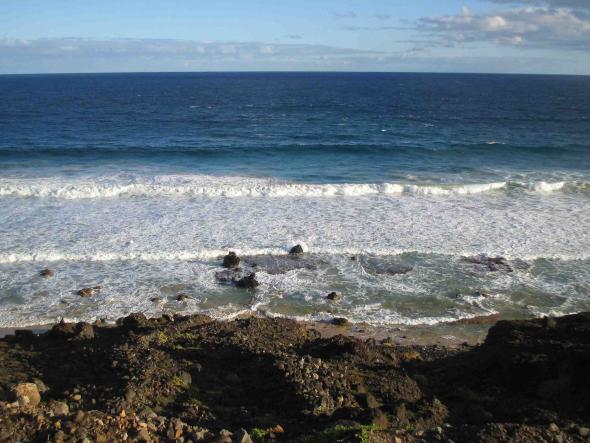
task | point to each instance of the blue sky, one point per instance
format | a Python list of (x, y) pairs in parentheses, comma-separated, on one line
[(522, 36)]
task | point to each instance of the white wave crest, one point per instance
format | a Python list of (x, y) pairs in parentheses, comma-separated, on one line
[(542, 186), (207, 186)]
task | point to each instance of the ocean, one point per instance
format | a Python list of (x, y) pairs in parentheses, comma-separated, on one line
[(399, 187)]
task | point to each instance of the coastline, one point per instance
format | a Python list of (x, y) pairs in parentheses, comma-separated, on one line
[(193, 378)]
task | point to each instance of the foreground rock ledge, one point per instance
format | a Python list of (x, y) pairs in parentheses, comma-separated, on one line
[(194, 379)]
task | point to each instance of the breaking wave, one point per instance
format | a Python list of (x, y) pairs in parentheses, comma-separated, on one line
[(209, 186)]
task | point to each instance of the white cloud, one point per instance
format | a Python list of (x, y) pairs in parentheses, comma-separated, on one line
[(528, 26)]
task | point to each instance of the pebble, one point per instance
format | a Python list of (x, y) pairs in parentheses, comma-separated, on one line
[(553, 427), (584, 432), (59, 408), (76, 397)]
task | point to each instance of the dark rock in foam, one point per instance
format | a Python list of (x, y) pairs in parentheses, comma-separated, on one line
[(231, 260)]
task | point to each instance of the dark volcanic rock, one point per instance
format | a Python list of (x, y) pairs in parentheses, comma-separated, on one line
[(334, 296), (46, 273), (492, 264), (88, 292), (229, 276), (339, 321), (297, 249), (231, 260), (182, 297), (248, 282), (187, 378)]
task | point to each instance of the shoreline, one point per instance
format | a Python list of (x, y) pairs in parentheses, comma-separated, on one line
[(471, 331), (253, 379)]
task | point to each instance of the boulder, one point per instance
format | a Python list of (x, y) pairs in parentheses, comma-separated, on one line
[(231, 260), (248, 282), (27, 395), (297, 249), (182, 297), (229, 276)]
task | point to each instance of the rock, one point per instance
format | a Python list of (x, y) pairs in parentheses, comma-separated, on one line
[(492, 263), (63, 330), (84, 331), (550, 323), (231, 260), (297, 249), (229, 276), (225, 436), (478, 320), (182, 297), (242, 436), (59, 408), (339, 321), (278, 429), (334, 296), (41, 387), (88, 292), (144, 436), (46, 273), (76, 397), (27, 395), (157, 300), (248, 282), (584, 432)]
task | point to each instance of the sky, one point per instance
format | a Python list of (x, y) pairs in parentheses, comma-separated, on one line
[(492, 36)]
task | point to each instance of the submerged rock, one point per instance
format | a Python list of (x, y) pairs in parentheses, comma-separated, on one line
[(229, 276), (339, 321), (297, 249), (248, 282), (183, 297), (46, 273), (88, 292), (493, 264), (231, 260)]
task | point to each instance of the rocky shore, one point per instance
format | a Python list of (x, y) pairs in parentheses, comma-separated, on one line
[(194, 379)]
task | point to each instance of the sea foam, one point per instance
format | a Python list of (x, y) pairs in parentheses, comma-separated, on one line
[(235, 187)]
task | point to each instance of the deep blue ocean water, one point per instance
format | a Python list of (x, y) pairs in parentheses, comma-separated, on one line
[(138, 182)]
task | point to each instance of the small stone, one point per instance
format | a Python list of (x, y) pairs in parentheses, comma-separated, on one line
[(278, 429), (334, 296), (182, 297), (79, 416), (86, 292), (157, 300), (76, 397), (59, 408), (550, 323), (231, 260), (242, 436), (27, 395), (46, 273), (297, 249), (553, 427), (584, 432)]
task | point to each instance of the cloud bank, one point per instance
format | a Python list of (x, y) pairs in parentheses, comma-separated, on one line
[(536, 27)]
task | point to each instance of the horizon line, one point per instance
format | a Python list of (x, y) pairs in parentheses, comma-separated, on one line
[(292, 72)]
